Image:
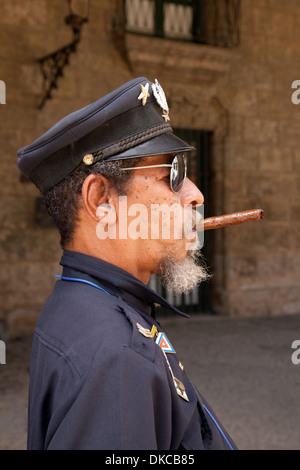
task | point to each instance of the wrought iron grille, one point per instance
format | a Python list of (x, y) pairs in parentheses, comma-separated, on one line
[(212, 22)]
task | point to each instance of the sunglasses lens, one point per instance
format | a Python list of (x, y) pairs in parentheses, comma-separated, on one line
[(178, 172)]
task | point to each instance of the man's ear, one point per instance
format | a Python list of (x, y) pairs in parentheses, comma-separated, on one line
[(95, 191)]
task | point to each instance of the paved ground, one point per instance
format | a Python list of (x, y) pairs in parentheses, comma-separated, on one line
[(242, 366)]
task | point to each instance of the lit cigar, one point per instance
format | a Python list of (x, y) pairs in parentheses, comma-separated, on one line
[(233, 219)]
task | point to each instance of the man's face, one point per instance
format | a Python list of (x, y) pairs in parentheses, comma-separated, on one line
[(156, 222)]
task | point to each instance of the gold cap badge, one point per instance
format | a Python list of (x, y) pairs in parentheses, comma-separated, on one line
[(160, 97), (88, 159), (144, 95)]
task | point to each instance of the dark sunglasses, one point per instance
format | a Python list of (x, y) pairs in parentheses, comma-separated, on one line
[(177, 173)]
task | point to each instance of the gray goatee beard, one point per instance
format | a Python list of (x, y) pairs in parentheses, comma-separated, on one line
[(183, 276)]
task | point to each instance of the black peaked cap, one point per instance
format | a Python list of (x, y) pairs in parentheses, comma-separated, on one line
[(131, 121)]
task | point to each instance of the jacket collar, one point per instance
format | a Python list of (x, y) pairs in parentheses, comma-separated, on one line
[(115, 280)]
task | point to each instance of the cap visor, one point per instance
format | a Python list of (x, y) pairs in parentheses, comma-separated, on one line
[(161, 145)]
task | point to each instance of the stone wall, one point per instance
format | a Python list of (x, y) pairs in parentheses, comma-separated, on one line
[(243, 95), (262, 163)]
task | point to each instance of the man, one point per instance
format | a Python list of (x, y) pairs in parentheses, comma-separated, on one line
[(103, 374)]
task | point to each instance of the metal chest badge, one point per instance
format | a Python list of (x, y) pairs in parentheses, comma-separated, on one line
[(163, 342), (161, 338), (179, 386), (160, 97)]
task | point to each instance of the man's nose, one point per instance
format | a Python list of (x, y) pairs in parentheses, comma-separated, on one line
[(190, 194)]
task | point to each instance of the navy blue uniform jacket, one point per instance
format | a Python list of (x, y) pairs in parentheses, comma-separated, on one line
[(96, 382)]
